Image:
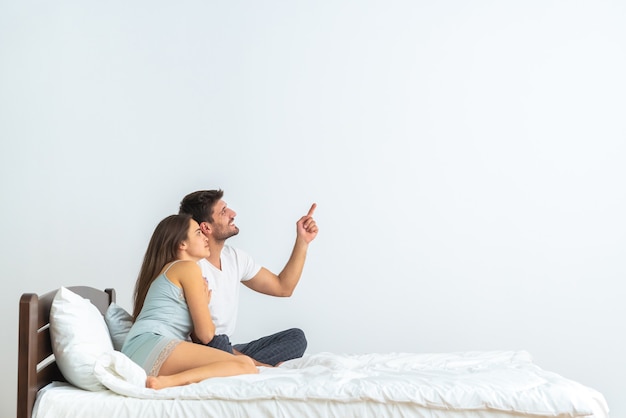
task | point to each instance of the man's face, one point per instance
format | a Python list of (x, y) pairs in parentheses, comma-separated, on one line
[(223, 226)]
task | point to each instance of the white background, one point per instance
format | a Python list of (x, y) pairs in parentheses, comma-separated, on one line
[(467, 157)]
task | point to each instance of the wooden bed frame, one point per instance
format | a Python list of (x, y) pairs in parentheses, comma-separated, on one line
[(35, 364)]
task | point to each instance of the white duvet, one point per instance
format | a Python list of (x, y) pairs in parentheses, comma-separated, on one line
[(496, 380)]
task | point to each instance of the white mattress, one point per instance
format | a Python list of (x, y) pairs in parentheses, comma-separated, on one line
[(61, 400), (453, 385)]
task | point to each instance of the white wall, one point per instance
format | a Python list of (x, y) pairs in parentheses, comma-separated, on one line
[(467, 159)]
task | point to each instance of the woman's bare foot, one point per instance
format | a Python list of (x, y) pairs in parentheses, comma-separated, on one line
[(152, 382), (157, 382)]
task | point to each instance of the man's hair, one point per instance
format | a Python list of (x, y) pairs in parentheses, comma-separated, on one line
[(200, 204)]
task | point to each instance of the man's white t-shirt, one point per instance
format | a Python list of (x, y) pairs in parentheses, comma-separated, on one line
[(237, 266)]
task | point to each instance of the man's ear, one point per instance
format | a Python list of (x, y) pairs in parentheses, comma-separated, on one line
[(205, 227)]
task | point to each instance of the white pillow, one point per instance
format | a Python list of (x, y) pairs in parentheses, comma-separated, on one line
[(79, 336), (119, 322)]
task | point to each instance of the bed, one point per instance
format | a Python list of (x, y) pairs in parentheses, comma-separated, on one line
[(489, 384)]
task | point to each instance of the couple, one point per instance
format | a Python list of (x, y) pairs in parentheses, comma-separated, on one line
[(188, 286)]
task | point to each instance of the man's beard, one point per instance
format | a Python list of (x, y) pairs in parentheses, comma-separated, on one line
[(224, 234)]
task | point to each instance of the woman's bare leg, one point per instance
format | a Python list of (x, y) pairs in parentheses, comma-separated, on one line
[(191, 363)]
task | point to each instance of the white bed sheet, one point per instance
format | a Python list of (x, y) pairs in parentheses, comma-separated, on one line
[(447, 385)]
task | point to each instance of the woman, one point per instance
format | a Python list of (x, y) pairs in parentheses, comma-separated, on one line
[(172, 303)]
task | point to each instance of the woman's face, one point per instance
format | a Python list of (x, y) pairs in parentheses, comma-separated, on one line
[(197, 245)]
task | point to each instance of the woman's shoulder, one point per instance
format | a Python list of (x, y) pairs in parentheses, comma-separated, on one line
[(184, 266), (181, 270)]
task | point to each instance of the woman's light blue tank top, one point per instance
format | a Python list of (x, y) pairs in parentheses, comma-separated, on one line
[(165, 311)]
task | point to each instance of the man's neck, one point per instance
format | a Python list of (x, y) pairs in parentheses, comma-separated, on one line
[(216, 254)]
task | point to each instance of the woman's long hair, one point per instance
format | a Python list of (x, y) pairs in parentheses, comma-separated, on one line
[(162, 249)]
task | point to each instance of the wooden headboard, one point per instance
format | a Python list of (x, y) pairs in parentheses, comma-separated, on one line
[(35, 364)]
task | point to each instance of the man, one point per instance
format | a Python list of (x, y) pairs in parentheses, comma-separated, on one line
[(226, 267)]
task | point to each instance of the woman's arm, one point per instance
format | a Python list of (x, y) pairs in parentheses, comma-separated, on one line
[(197, 294)]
